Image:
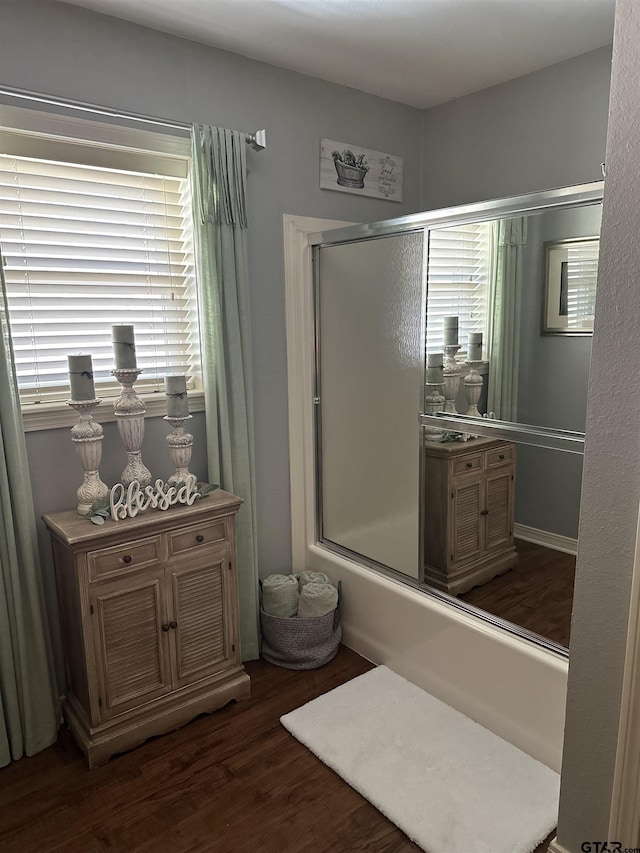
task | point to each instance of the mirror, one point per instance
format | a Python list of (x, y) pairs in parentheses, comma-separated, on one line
[(505, 280), (492, 516), (499, 291)]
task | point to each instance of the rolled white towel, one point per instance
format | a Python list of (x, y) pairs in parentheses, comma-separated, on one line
[(317, 599), (312, 577), (280, 595)]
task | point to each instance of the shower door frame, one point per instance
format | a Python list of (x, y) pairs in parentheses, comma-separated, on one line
[(558, 199)]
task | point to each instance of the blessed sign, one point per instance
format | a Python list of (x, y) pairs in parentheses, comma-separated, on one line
[(128, 501)]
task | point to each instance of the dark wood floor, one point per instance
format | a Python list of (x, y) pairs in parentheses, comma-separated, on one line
[(231, 782), (537, 595)]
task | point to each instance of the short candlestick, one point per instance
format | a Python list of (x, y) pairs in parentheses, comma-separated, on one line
[(87, 436), (451, 374), (473, 388), (433, 402)]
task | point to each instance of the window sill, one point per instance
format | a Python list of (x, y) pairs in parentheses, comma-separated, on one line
[(58, 415)]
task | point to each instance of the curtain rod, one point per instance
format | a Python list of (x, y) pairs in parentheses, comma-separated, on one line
[(257, 140)]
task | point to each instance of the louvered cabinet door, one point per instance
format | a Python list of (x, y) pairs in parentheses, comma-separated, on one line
[(466, 533), (204, 642), (131, 649), (499, 510)]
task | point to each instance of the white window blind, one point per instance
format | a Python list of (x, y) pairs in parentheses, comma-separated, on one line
[(579, 275), (458, 281), (86, 247)]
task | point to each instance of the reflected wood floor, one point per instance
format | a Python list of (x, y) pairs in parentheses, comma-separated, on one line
[(232, 782), (537, 594)]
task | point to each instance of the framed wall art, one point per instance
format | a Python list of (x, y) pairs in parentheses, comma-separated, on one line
[(571, 271), (361, 171)]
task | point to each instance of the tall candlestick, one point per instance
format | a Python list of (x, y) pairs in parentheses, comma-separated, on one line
[(81, 377), (176, 391), (124, 347), (129, 411)]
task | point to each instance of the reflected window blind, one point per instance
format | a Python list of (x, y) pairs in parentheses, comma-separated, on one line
[(87, 247), (458, 281), (578, 283)]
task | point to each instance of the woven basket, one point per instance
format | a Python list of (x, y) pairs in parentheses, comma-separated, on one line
[(297, 643)]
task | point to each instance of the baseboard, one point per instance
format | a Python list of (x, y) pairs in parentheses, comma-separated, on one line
[(554, 847), (543, 537)]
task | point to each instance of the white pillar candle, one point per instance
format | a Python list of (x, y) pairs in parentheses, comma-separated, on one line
[(81, 377), (474, 347), (124, 347), (176, 390), (450, 331), (434, 367)]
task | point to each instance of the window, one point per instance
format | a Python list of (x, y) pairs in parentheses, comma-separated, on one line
[(458, 281), (95, 235)]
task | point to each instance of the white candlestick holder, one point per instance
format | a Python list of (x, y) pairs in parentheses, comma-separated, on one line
[(473, 388), (451, 374), (180, 444), (129, 411), (433, 402), (87, 435)]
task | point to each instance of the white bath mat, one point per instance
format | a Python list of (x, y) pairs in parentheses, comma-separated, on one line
[(449, 784)]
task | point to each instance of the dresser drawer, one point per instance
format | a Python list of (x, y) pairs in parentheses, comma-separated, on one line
[(499, 456), (198, 536), (121, 559), (467, 464)]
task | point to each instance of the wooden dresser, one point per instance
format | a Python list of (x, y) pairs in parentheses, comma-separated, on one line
[(468, 527), (149, 615)]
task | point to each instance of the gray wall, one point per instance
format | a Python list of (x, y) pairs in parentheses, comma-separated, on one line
[(611, 486), (76, 54), (552, 384), (544, 130)]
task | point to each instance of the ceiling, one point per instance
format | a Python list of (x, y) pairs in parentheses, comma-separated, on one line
[(417, 52)]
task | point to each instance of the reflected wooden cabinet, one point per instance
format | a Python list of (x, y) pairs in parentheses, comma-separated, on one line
[(468, 528), (149, 615)]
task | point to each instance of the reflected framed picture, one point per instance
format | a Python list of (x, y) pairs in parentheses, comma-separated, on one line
[(571, 273)]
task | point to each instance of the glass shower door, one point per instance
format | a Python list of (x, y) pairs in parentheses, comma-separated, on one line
[(370, 313)]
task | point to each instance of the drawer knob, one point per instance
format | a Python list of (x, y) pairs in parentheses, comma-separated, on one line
[(501, 456), (165, 627), (126, 558), (469, 464), (199, 538), (484, 512), (173, 625)]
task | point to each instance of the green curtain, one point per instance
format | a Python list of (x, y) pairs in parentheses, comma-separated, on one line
[(219, 193), (28, 707), (505, 296)]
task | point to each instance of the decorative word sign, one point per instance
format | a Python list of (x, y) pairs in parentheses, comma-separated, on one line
[(128, 501)]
